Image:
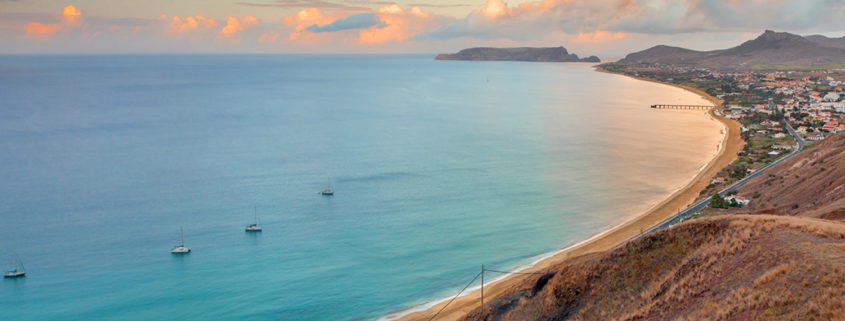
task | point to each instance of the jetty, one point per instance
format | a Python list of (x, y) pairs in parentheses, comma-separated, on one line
[(660, 106)]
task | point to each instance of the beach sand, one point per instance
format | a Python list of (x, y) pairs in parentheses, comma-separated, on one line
[(609, 239)]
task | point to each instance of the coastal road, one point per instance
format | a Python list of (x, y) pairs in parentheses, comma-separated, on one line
[(701, 204)]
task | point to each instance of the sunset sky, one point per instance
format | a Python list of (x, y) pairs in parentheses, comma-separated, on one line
[(587, 27)]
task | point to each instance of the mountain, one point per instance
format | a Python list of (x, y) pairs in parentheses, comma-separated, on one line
[(558, 54), (827, 42), (771, 50), (810, 184)]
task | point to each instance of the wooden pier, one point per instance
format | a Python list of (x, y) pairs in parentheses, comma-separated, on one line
[(682, 107)]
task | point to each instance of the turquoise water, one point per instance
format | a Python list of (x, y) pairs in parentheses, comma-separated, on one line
[(438, 167)]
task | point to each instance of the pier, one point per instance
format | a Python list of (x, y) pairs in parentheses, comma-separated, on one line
[(682, 107)]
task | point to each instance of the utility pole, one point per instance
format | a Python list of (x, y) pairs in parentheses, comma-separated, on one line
[(482, 288)]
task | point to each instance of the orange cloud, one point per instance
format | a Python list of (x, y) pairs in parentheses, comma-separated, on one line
[(304, 19), (235, 26), (71, 15), (37, 29), (599, 36), (399, 25), (179, 25)]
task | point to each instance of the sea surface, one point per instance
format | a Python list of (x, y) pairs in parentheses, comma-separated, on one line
[(438, 167)]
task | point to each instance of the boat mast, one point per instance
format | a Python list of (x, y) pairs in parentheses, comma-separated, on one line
[(182, 233), (255, 212)]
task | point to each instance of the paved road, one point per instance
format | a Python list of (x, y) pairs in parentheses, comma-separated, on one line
[(700, 205)]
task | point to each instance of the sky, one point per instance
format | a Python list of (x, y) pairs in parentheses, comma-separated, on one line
[(607, 28)]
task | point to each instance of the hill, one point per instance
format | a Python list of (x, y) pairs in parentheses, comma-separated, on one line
[(810, 184), (771, 50), (827, 42), (745, 267), (557, 54)]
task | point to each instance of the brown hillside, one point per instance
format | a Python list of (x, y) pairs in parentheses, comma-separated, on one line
[(811, 184), (744, 267)]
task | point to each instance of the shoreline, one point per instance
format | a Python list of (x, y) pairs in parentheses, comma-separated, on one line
[(731, 144)]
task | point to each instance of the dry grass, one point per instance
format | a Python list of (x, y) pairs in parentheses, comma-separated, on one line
[(716, 268)]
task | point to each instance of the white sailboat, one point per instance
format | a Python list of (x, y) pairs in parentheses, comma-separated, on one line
[(254, 227), (18, 272), (328, 191), (181, 248)]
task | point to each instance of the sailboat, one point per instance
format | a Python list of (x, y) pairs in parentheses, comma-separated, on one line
[(328, 191), (181, 248), (254, 227), (16, 272)]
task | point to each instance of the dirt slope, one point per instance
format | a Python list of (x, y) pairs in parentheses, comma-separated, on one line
[(811, 184), (744, 267)]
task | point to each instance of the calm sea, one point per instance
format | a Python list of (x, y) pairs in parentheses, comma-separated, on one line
[(438, 167)]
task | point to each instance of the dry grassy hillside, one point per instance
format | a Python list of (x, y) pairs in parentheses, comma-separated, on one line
[(744, 267), (811, 184)]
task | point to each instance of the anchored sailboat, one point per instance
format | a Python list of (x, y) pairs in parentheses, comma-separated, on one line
[(18, 272), (328, 191), (254, 227), (181, 248)]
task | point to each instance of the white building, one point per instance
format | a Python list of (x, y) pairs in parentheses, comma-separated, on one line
[(738, 199), (831, 96)]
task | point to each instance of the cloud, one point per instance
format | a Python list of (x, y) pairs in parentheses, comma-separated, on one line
[(600, 36), (495, 19), (41, 30), (179, 25), (398, 25), (304, 19), (306, 4), (234, 26), (353, 22), (71, 15)]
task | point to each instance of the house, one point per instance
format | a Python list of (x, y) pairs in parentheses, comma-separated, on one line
[(815, 138), (738, 199), (718, 180), (779, 135), (773, 153), (782, 147)]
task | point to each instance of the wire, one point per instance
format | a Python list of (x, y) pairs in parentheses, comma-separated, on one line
[(456, 296)]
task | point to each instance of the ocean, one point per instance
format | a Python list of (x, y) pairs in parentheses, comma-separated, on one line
[(438, 168)]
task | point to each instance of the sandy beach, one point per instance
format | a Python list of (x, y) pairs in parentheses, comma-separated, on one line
[(732, 143)]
